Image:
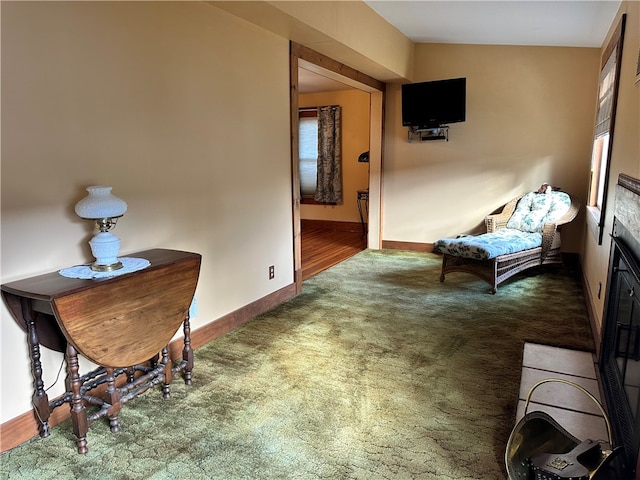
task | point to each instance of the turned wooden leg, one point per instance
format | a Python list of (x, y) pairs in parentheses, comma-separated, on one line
[(40, 399), (187, 351), (112, 397), (153, 361), (78, 410), (168, 374)]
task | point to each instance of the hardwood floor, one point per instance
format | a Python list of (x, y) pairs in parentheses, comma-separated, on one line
[(322, 249)]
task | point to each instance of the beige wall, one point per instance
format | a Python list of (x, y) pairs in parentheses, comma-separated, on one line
[(348, 31), (183, 109), (625, 156), (355, 140), (166, 103), (529, 120)]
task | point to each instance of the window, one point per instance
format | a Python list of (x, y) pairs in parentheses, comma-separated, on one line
[(605, 122), (320, 155), (600, 155), (308, 152), (599, 162)]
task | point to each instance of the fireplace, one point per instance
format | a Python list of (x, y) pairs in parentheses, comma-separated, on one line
[(619, 361)]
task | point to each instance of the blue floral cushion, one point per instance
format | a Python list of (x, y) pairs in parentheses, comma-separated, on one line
[(560, 204), (489, 245), (535, 209)]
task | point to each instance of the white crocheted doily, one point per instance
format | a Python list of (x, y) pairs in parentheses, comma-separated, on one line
[(129, 265)]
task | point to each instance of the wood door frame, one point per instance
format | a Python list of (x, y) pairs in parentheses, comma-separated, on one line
[(376, 127)]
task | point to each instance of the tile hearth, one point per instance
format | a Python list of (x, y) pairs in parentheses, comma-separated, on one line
[(570, 407)]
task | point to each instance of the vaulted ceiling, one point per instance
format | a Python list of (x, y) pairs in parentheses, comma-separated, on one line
[(567, 23), (559, 23)]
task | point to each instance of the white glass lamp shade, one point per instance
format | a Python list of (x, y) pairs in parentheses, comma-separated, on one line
[(103, 207), (100, 203)]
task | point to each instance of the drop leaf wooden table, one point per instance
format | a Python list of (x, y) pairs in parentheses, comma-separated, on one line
[(122, 323)]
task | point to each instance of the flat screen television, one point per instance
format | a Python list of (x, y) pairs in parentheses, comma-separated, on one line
[(433, 104)]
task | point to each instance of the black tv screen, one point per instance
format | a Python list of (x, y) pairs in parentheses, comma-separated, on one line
[(432, 104)]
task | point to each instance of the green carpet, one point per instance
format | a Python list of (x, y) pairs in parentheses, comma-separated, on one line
[(376, 371)]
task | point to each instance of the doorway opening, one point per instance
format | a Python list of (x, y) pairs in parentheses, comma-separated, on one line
[(327, 234)]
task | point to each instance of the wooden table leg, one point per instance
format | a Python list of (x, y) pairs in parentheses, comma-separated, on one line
[(168, 374), (78, 410), (40, 398), (112, 397), (187, 351)]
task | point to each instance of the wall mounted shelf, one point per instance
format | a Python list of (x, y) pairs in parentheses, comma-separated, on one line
[(428, 134)]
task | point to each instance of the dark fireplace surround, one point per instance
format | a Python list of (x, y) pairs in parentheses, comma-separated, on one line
[(619, 359)]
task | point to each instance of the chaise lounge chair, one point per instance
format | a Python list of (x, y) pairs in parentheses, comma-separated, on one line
[(525, 234)]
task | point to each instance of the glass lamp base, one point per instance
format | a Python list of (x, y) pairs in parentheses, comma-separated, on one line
[(105, 247)]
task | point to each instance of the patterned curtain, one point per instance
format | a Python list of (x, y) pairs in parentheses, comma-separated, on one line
[(329, 185)]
